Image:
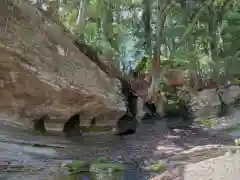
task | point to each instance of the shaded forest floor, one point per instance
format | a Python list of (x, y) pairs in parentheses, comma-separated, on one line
[(36, 155)]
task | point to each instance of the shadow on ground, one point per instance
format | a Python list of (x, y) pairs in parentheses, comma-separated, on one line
[(152, 141)]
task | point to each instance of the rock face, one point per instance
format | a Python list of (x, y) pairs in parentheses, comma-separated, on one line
[(43, 74), (206, 102), (222, 167)]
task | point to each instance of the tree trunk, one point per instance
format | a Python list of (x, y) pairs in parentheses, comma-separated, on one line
[(39, 3), (108, 26), (214, 28), (153, 94), (146, 17), (162, 14), (81, 16), (63, 2)]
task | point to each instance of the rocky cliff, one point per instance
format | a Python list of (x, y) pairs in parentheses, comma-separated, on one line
[(43, 74)]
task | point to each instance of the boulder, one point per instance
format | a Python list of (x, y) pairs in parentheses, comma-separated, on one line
[(206, 102), (44, 74)]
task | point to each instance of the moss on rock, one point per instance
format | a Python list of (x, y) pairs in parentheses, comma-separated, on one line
[(157, 168), (77, 166)]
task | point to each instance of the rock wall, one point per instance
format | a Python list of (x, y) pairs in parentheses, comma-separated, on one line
[(44, 73)]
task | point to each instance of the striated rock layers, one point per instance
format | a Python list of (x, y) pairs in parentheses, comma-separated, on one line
[(43, 74)]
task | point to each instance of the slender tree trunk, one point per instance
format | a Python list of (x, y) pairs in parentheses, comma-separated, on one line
[(214, 28), (146, 17), (154, 94), (162, 14), (39, 3), (147, 35), (108, 27), (81, 22), (63, 2)]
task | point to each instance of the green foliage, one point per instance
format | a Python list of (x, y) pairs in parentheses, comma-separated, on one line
[(237, 142), (77, 167), (103, 164), (99, 165), (210, 123), (106, 167), (158, 168), (171, 107), (201, 37), (176, 107), (142, 65)]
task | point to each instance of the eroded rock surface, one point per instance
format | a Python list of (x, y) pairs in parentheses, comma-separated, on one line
[(44, 73), (206, 102), (223, 167)]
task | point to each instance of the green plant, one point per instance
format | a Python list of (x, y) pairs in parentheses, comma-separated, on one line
[(157, 168), (101, 164), (210, 123), (106, 167), (237, 142), (77, 166)]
